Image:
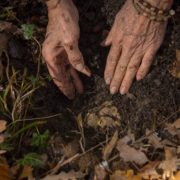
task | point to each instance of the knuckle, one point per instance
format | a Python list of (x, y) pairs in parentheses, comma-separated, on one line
[(75, 60), (122, 68), (70, 41), (133, 68)]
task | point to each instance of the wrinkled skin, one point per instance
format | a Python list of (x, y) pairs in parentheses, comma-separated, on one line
[(60, 48), (134, 41)]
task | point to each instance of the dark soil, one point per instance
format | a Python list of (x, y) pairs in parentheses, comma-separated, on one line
[(150, 103)]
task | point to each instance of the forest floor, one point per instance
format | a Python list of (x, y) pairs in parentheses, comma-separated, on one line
[(98, 136)]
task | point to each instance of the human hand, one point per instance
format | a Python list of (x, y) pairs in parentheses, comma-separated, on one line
[(60, 48), (134, 41)]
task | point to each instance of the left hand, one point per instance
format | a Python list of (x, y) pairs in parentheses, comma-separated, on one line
[(134, 41)]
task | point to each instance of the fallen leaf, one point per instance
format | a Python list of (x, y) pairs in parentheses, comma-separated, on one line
[(71, 175), (100, 172), (5, 173), (106, 115), (125, 175), (154, 139), (110, 146), (177, 176), (130, 154), (149, 170), (170, 164), (26, 173), (174, 128), (176, 124), (175, 67), (2, 125)]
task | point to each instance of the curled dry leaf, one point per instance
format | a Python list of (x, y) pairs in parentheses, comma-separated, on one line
[(174, 128), (170, 164), (154, 139), (2, 125), (130, 154), (105, 116), (71, 175), (110, 146)]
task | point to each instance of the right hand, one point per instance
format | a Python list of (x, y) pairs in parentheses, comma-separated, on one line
[(60, 48)]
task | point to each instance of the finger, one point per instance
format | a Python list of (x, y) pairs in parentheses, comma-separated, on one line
[(146, 63), (131, 71), (111, 63), (49, 50), (76, 58), (59, 71), (120, 70), (76, 81)]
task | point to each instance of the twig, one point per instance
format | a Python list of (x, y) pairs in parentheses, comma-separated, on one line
[(34, 119), (61, 164)]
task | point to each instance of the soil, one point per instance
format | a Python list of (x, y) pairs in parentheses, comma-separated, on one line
[(150, 103)]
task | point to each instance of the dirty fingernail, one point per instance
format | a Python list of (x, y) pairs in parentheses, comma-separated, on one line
[(123, 90), (108, 80), (79, 67), (113, 90)]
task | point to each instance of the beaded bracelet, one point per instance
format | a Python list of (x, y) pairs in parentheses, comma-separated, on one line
[(153, 13)]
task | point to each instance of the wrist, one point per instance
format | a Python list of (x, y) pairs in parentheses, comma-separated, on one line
[(51, 4), (161, 4)]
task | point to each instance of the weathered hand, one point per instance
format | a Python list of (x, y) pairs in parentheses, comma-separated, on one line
[(60, 48), (134, 41)]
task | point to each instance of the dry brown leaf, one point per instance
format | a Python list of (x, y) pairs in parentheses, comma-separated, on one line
[(174, 128), (170, 164), (2, 125), (176, 124), (110, 146), (26, 173), (130, 154), (106, 115), (123, 175), (5, 173), (177, 176), (154, 139), (71, 175), (100, 173), (149, 170), (175, 68)]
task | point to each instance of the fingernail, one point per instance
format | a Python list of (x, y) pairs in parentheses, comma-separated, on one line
[(88, 71), (79, 67), (123, 90), (113, 90), (108, 80), (138, 78)]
